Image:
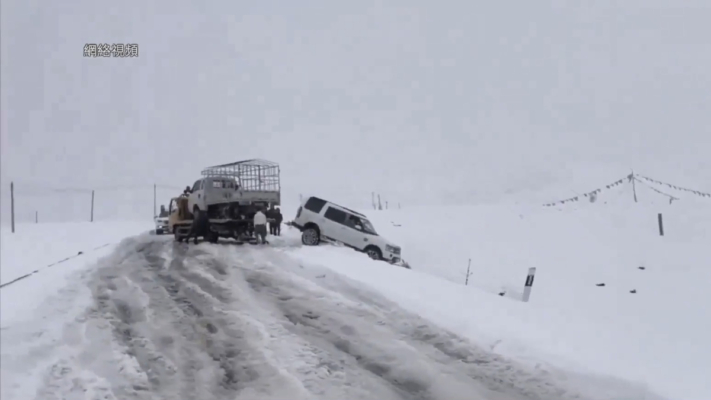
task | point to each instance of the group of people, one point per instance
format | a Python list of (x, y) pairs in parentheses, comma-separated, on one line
[(272, 217)]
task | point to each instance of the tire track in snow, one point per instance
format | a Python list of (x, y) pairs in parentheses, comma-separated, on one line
[(212, 322), (368, 343), (358, 322), (183, 337)]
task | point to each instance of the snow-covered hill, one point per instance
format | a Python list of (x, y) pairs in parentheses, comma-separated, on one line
[(657, 335)]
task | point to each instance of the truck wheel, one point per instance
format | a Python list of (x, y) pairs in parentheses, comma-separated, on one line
[(310, 237), (374, 253)]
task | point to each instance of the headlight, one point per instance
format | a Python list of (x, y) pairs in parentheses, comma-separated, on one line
[(392, 249)]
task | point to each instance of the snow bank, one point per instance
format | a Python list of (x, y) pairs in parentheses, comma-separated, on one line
[(658, 335), (34, 247)]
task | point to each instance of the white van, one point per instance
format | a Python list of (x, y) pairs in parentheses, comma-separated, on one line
[(318, 218)]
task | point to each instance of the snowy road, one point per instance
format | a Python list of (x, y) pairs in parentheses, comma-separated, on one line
[(176, 321)]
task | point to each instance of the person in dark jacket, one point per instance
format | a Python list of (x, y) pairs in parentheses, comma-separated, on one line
[(200, 227), (278, 218), (271, 215)]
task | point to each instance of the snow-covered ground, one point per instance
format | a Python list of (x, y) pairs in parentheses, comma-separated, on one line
[(50, 253), (655, 337)]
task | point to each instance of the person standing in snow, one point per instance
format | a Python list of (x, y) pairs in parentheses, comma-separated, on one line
[(260, 226), (199, 227), (277, 221), (271, 216)]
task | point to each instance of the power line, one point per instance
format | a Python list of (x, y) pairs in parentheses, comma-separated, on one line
[(38, 189)]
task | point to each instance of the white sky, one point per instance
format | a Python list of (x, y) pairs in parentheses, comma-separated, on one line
[(422, 101)]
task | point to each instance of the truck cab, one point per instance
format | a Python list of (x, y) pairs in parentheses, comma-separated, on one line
[(213, 190)]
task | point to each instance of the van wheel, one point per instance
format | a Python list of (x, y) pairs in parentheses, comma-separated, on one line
[(374, 253), (310, 237)]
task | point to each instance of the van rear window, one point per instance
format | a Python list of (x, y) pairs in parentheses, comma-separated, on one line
[(314, 204)]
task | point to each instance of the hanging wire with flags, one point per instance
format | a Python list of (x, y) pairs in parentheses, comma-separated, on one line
[(634, 178), (592, 193), (676, 187), (671, 198)]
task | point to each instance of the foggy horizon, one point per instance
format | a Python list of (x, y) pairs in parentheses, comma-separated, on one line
[(454, 103)]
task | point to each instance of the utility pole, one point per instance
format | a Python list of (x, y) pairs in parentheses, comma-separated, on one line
[(92, 207), (12, 205), (154, 201), (634, 189)]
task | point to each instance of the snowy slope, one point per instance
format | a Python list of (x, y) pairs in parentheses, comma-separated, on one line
[(658, 335)]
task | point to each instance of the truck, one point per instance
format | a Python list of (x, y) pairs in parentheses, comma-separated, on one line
[(230, 194)]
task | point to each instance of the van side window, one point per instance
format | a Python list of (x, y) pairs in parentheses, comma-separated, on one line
[(315, 204), (354, 222), (335, 215), (196, 186)]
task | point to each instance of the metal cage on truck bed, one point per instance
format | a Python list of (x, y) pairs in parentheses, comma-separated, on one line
[(253, 175)]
